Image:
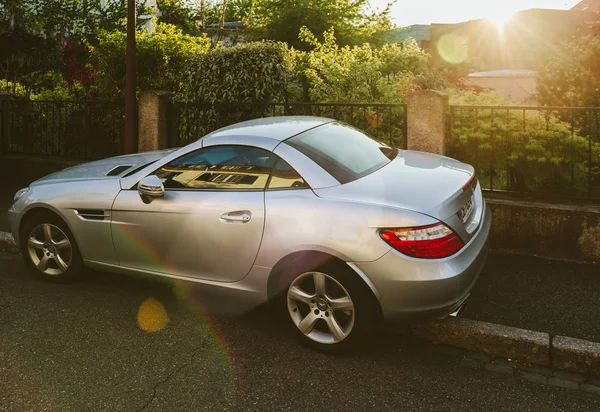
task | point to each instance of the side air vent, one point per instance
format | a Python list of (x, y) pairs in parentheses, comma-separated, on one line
[(91, 214), (116, 171)]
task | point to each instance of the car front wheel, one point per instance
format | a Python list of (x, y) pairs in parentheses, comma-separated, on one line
[(49, 249)]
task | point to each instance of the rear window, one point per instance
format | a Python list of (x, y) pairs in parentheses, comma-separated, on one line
[(343, 151)]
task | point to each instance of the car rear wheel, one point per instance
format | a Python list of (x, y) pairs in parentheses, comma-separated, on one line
[(49, 249), (330, 309)]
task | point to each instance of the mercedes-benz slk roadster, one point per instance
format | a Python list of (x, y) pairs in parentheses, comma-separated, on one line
[(334, 229)]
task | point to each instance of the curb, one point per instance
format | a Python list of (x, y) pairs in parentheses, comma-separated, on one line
[(489, 338), (7, 244), (538, 348), (576, 355)]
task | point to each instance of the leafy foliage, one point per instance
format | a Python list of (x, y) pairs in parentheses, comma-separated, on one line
[(253, 72), (358, 74), (160, 58), (532, 151), (353, 21), (22, 53), (182, 14), (571, 77), (51, 35)]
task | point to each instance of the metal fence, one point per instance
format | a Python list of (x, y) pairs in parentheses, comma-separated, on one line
[(551, 151), (73, 129), (189, 122)]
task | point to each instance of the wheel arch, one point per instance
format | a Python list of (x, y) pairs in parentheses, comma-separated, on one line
[(40, 210), (307, 260)]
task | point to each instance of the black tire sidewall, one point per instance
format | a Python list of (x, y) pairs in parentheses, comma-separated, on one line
[(76, 267)]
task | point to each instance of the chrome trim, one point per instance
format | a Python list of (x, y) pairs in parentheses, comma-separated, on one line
[(88, 214)]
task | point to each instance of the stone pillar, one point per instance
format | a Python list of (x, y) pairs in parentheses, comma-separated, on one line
[(426, 120), (152, 121)]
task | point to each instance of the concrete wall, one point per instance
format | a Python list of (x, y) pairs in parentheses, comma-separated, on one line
[(553, 231)]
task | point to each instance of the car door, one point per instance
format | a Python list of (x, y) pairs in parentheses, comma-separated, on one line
[(210, 222)]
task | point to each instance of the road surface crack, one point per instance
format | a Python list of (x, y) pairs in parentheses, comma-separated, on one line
[(169, 376)]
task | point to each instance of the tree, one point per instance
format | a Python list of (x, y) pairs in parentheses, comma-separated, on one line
[(358, 74), (571, 76), (235, 10), (183, 14), (353, 20), (161, 56), (38, 37)]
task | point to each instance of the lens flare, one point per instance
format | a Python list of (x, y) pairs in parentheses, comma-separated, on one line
[(152, 315), (453, 48)]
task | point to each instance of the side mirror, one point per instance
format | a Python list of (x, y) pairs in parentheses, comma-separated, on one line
[(150, 187)]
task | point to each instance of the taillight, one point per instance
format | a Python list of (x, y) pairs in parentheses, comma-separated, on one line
[(426, 242)]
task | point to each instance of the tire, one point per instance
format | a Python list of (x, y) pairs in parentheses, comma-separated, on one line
[(312, 315), (49, 249)]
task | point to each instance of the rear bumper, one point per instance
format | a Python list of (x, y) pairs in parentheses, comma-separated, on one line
[(420, 289)]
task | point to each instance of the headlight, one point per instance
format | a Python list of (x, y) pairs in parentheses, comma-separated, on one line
[(20, 193)]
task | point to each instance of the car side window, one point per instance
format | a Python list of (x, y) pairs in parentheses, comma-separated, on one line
[(285, 177), (219, 167)]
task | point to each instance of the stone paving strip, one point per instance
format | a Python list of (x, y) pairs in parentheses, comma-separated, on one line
[(533, 356)]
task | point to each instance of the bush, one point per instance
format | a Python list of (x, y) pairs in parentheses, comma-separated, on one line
[(470, 97), (14, 88), (537, 151), (252, 72), (161, 55), (359, 74), (249, 73)]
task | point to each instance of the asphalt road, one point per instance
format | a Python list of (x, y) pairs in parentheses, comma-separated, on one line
[(556, 297), (80, 347)]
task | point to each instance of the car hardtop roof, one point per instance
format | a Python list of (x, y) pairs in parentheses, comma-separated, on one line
[(277, 127)]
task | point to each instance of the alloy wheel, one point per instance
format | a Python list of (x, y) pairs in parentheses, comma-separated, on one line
[(320, 307), (50, 249)]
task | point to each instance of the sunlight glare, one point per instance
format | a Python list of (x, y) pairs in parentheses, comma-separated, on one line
[(500, 18)]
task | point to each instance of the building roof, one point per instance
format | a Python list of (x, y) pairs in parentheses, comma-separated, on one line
[(591, 6), (505, 73)]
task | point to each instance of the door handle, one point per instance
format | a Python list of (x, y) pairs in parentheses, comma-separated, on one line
[(242, 216)]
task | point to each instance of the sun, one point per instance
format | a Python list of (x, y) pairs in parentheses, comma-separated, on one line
[(500, 19)]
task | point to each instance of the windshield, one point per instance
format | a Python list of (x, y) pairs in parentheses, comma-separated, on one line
[(343, 151)]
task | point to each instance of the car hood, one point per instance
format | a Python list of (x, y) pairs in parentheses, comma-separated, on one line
[(99, 168), (416, 181)]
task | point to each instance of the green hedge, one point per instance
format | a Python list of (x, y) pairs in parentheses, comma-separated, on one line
[(253, 72)]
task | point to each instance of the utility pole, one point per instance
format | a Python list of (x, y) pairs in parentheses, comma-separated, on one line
[(129, 145)]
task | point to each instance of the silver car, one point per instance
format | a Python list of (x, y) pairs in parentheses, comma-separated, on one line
[(334, 229)]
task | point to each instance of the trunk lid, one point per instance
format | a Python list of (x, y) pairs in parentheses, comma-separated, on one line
[(421, 182)]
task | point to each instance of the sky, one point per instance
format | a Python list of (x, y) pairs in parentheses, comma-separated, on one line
[(407, 12)]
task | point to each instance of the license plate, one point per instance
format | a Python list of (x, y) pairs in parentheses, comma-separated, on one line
[(466, 211)]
